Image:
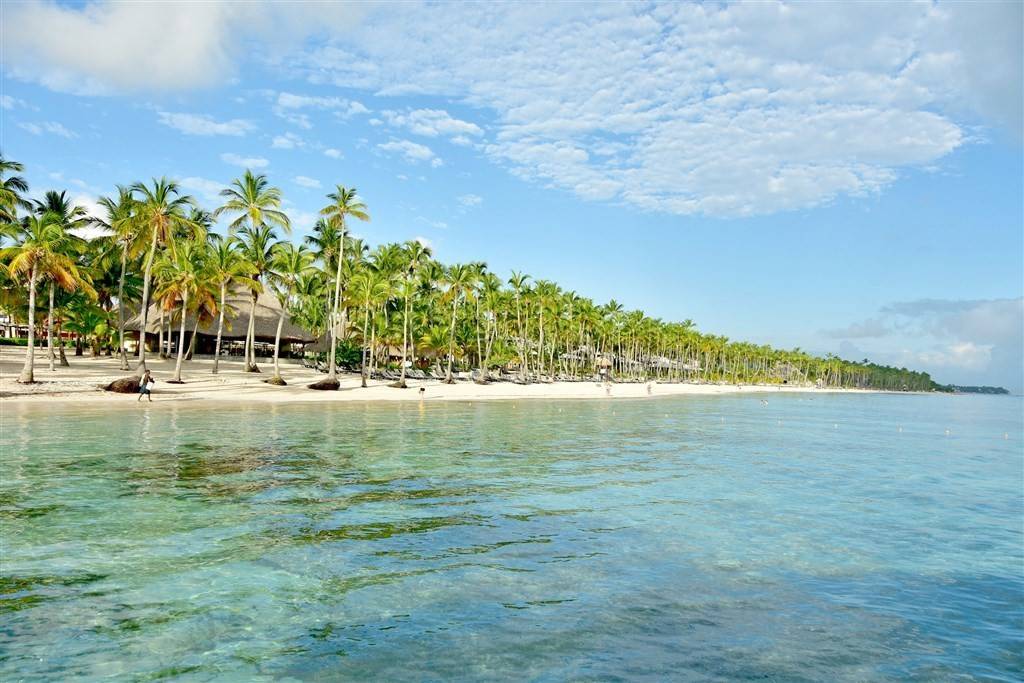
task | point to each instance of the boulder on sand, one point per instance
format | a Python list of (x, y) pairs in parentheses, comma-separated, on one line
[(326, 385), (125, 385)]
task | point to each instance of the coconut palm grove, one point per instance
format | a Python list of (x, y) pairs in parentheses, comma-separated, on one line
[(98, 282)]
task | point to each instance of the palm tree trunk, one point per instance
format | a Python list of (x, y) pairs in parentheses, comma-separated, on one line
[(49, 332), (277, 345), (120, 309), (220, 325), (160, 335), (192, 341), (27, 376), (332, 373), (362, 355), (405, 337), (250, 340), (451, 342), (60, 349), (141, 367), (181, 338)]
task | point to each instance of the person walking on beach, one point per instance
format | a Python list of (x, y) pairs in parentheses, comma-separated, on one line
[(146, 386)]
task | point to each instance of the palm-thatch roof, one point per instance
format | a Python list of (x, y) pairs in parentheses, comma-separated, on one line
[(236, 320)]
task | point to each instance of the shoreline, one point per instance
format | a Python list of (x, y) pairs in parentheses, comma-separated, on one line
[(79, 384)]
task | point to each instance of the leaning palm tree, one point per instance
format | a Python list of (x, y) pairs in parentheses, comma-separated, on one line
[(345, 203), (180, 275), (290, 264), (229, 268), (163, 213), (39, 251), (255, 205)]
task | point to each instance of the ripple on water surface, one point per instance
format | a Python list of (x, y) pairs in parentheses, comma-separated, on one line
[(815, 538)]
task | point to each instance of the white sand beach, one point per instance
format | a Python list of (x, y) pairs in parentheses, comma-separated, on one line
[(81, 383)]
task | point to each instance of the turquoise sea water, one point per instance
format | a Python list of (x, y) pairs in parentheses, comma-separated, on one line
[(824, 538)]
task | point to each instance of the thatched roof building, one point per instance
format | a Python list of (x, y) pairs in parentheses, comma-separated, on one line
[(236, 320)]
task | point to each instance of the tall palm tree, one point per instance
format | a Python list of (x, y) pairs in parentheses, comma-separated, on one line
[(460, 280), (256, 205), (345, 203), (122, 221), (180, 274), (290, 264), (39, 251), (369, 288), (163, 213), (416, 255), (257, 246), (69, 217), (228, 267)]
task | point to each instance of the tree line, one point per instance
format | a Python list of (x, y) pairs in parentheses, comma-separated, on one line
[(393, 307)]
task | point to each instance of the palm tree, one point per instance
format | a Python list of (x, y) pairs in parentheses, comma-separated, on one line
[(460, 280), (290, 264), (162, 214), (180, 274), (39, 251), (68, 217), (257, 247), (228, 267), (416, 255), (519, 287), (122, 221), (257, 206), (370, 288), (12, 191), (344, 203)]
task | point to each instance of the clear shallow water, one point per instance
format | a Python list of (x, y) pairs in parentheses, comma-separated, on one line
[(695, 539)]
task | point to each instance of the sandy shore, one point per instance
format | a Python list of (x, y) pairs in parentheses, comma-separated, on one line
[(80, 384)]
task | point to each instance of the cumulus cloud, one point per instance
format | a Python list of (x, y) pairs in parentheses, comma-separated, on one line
[(287, 141), (8, 102), (204, 188), (959, 341), (51, 127), (412, 152), (333, 153), (432, 123), (716, 109), (290, 106), (202, 124), (244, 162), (306, 181), (111, 47)]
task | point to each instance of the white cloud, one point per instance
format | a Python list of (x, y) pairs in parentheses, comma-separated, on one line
[(306, 181), (333, 153), (470, 200), (432, 123), (205, 189), (109, 47), (717, 109), (8, 102), (425, 241), (244, 162), (202, 124), (287, 141), (412, 152), (51, 127), (289, 106), (963, 342)]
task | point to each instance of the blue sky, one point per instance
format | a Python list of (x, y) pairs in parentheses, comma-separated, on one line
[(843, 178)]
